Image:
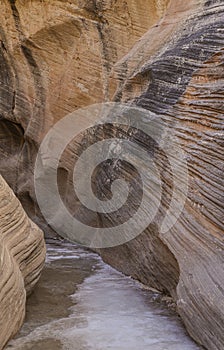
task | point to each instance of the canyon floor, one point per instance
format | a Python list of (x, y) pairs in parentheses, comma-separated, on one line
[(81, 303)]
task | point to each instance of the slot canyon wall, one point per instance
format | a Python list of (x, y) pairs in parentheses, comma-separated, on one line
[(165, 56), (22, 252)]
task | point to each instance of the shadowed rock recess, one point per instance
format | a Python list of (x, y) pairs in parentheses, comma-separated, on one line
[(165, 56), (22, 252)]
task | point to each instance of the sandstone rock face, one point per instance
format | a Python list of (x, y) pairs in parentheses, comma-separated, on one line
[(166, 57), (57, 59), (53, 61), (22, 255)]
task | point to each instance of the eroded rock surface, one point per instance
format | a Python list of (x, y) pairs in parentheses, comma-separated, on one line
[(22, 255), (69, 54), (53, 61)]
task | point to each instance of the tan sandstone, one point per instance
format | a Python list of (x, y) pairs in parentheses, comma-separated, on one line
[(22, 255), (164, 56)]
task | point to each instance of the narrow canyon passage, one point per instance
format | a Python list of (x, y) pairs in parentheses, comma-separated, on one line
[(112, 136), (81, 303)]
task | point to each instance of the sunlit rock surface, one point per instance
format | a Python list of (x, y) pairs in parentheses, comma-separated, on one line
[(22, 255), (165, 57)]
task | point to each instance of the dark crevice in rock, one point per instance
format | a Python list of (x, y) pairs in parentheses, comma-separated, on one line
[(11, 145), (14, 101), (6, 86), (40, 101), (3, 45)]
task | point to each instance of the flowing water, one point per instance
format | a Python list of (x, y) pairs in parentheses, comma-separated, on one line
[(81, 303)]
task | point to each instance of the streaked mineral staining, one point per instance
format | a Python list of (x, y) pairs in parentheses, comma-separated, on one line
[(164, 56)]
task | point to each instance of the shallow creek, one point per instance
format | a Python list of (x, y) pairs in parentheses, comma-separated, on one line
[(83, 304)]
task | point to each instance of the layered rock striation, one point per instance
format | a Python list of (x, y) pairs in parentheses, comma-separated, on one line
[(166, 57), (22, 255), (55, 60)]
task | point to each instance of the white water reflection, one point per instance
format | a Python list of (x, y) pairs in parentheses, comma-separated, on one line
[(110, 311), (119, 315)]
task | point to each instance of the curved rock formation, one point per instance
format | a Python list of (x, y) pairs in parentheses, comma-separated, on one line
[(69, 54), (22, 255), (183, 82), (46, 71)]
